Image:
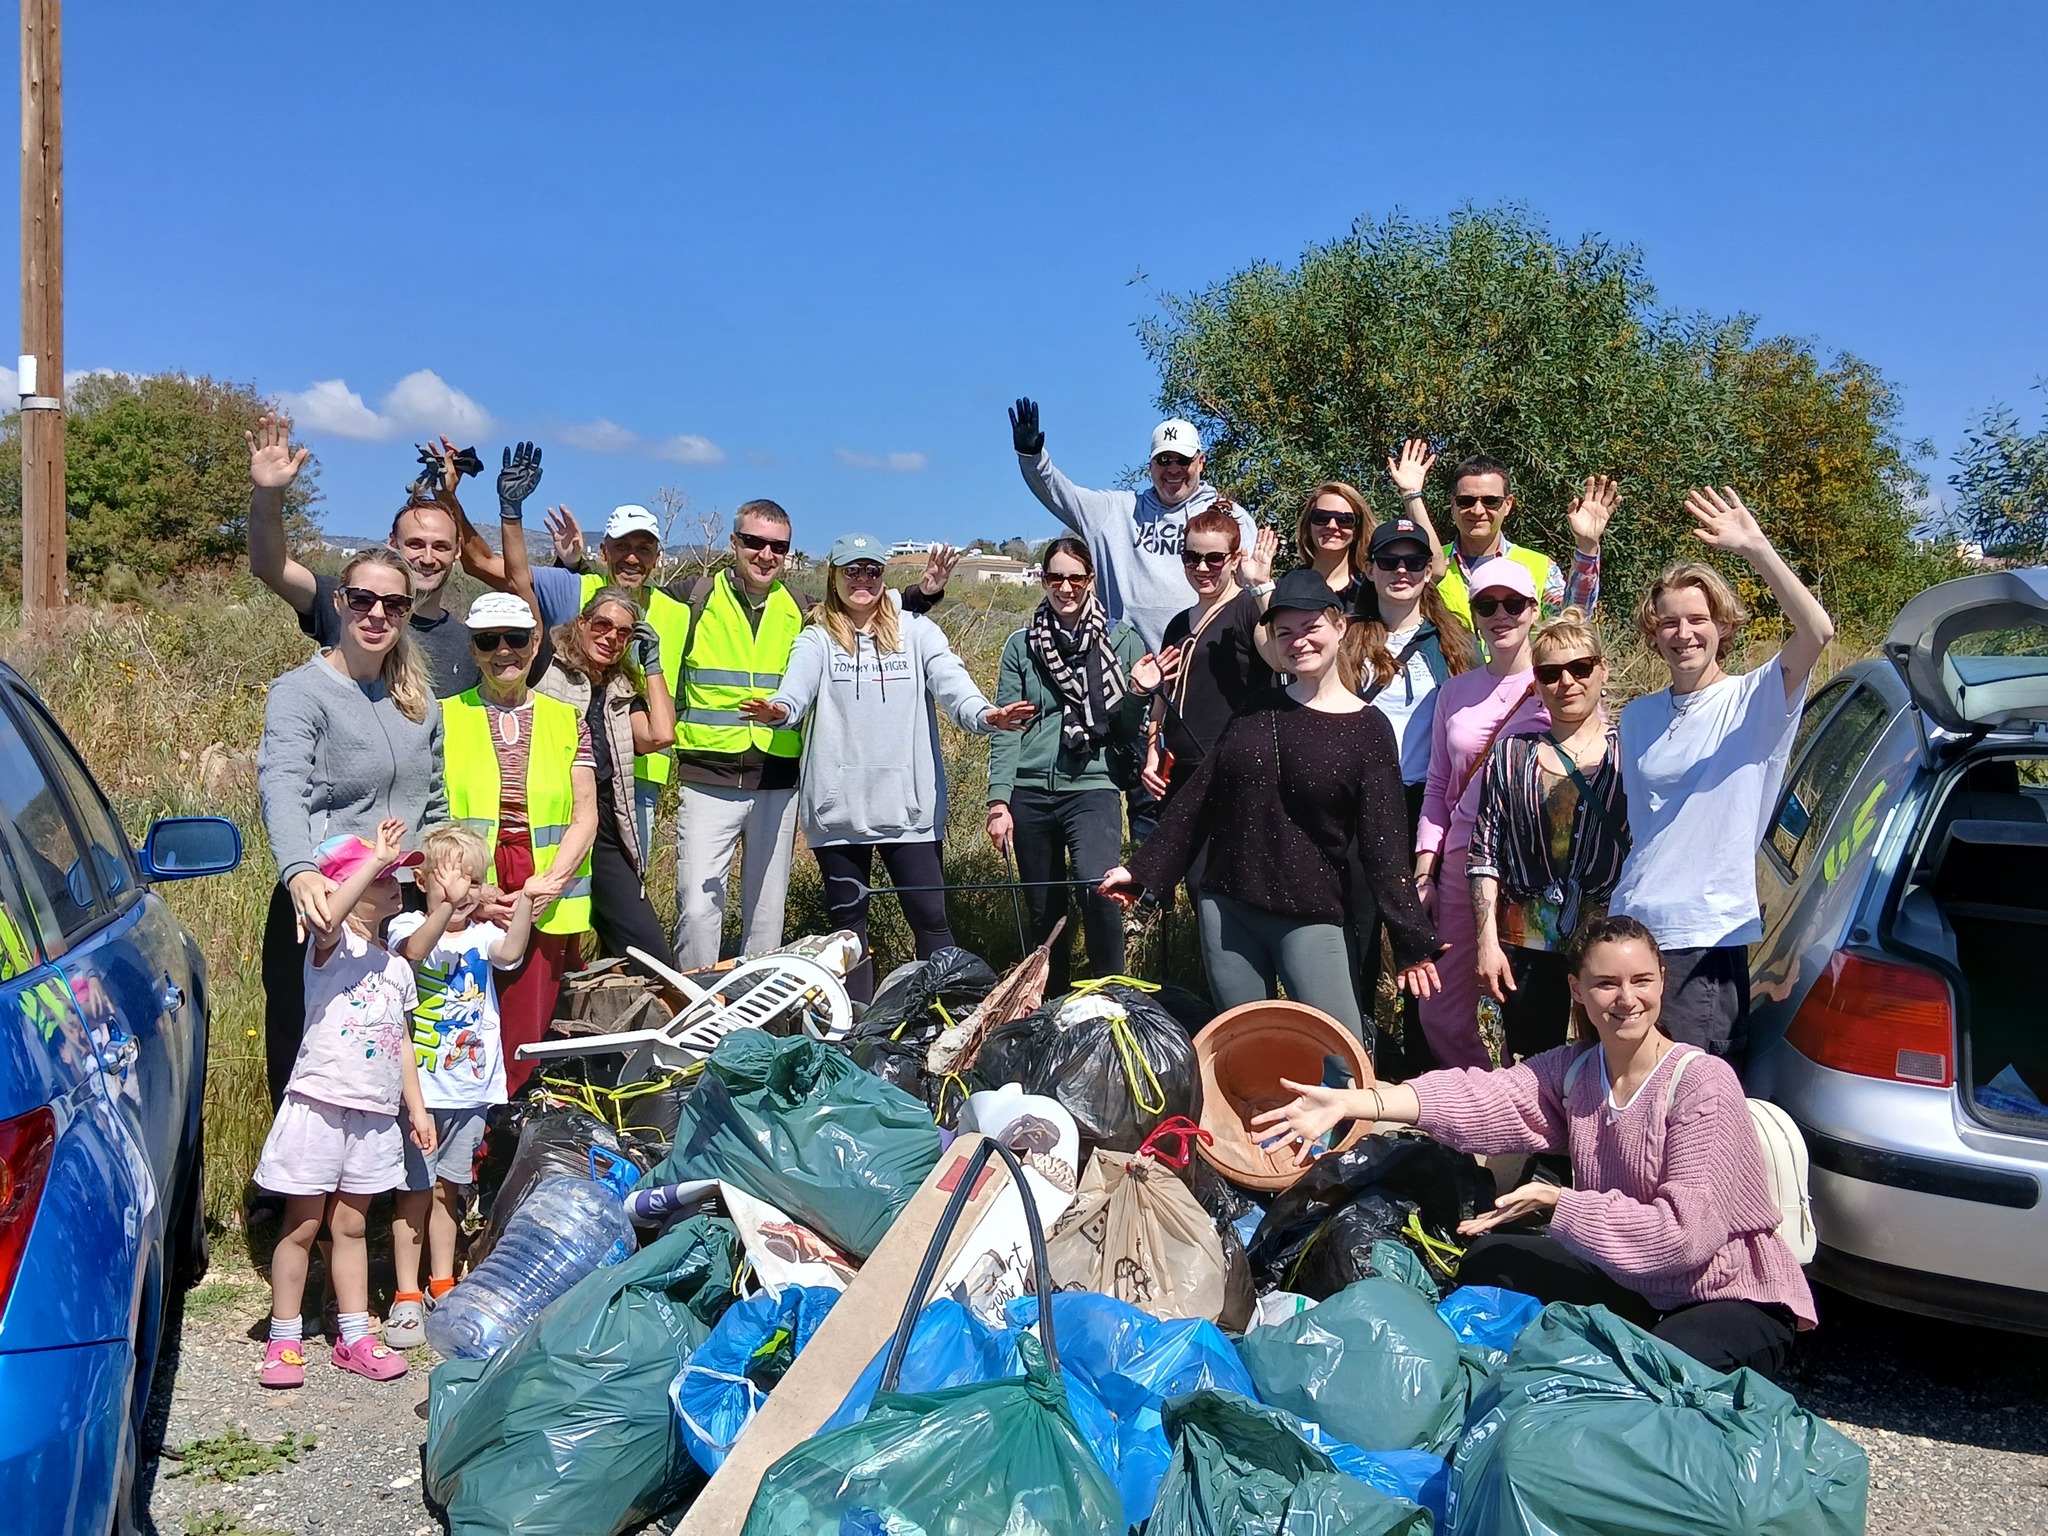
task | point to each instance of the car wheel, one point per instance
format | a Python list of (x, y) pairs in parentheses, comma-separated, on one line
[(190, 1249)]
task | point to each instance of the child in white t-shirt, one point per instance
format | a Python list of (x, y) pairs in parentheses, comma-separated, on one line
[(336, 1141), (460, 1058)]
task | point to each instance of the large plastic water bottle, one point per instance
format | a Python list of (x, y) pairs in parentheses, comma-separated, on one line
[(565, 1229)]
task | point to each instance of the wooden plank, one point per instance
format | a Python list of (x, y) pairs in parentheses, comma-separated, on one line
[(42, 304)]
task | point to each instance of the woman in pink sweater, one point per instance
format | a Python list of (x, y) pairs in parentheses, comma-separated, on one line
[(1669, 1221)]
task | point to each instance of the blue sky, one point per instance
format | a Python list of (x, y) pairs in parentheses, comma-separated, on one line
[(811, 252)]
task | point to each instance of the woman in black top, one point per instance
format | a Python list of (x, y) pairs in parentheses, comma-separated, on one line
[(1549, 839), (1209, 662), (1300, 776)]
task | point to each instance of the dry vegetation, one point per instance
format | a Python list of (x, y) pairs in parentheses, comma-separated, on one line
[(166, 703)]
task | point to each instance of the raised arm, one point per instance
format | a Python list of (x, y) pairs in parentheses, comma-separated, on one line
[(1410, 472), (516, 482), (1722, 521), (654, 729), (273, 466), (1071, 504)]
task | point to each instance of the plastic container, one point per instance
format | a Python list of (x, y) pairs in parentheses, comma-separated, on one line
[(1242, 1055), (565, 1229)]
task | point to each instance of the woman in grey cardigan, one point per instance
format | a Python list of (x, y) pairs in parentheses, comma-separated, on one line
[(869, 676), (349, 739)]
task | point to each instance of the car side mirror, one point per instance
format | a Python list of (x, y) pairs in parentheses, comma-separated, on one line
[(185, 847)]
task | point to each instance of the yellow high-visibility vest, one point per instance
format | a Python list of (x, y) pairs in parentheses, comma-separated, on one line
[(473, 792), (730, 662), (1459, 600)]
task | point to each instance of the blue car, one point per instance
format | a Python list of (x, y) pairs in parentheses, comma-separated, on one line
[(103, 1017)]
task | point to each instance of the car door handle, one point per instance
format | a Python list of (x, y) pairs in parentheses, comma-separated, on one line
[(119, 1054), (172, 998)]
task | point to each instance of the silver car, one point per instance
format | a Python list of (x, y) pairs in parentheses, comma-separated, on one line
[(1900, 991)]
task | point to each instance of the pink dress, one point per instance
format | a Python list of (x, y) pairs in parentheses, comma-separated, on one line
[(1470, 711)]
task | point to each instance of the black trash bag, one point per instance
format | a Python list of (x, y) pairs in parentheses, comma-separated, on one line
[(503, 1124), (1116, 1060), (1340, 1250), (908, 1014), (551, 1145), (1223, 1200), (1192, 1009), (1445, 1187)]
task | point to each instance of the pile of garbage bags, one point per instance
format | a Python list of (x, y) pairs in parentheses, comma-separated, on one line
[(1123, 1341)]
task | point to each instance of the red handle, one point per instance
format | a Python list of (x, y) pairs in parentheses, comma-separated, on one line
[(1180, 1128)]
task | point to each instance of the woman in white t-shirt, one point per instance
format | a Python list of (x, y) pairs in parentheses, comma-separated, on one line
[(1702, 762)]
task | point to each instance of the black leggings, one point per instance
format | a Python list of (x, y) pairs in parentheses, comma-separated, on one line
[(620, 912), (284, 992), (1721, 1335), (844, 865)]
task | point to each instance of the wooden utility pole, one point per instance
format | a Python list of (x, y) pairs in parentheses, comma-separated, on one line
[(42, 307)]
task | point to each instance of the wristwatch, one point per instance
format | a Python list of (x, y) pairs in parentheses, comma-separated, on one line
[(1259, 588)]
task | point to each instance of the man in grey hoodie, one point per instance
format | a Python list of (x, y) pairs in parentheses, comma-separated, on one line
[(1135, 536)]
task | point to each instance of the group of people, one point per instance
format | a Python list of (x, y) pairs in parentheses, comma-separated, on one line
[(1402, 736)]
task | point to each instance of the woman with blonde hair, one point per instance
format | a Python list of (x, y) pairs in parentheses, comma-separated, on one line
[(1548, 838), (351, 739), (871, 678)]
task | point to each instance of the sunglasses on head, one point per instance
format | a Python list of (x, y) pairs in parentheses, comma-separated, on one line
[(1419, 562), (361, 600), (1061, 579), (488, 640), (1215, 560), (1516, 606), (1549, 673), (755, 543), (1322, 519), (1491, 503)]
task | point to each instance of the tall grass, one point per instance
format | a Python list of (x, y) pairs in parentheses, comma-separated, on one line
[(165, 700)]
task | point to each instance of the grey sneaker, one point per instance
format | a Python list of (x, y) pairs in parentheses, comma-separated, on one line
[(405, 1325)]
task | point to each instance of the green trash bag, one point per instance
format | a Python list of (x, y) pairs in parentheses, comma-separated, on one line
[(795, 1123), (1239, 1469), (1374, 1365), (1593, 1426), (567, 1431)]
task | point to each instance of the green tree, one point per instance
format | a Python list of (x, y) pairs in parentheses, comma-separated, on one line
[(2002, 488), (156, 476), (1485, 333)]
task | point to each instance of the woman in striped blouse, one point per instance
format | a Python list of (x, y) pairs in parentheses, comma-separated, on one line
[(1548, 840)]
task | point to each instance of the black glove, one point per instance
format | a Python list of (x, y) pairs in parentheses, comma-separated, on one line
[(429, 479), (646, 648), (517, 480), (1024, 426)]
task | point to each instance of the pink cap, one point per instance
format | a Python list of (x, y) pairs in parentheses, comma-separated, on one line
[(342, 855), (1500, 574)]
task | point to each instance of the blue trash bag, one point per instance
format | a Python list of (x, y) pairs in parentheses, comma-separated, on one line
[(951, 1347), (1595, 1425), (1132, 1362), (1420, 1477), (729, 1376), (1488, 1316)]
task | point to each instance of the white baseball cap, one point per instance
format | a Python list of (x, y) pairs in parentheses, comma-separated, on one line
[(499, 610), (631, 519), (1175, 436)]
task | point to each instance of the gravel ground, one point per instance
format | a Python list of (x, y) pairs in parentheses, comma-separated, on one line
[(1955, 1421)]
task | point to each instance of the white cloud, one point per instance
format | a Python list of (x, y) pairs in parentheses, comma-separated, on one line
[(602, 436), (424, 399), (903, 463), (330, 406)]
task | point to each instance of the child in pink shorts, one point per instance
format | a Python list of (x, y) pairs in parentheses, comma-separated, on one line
[(336, 1141)]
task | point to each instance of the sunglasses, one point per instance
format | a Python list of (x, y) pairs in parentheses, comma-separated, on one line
[(1491, 503), (605, 629), (755, 543), (1321, 519), (1214, 561), (1551, 673), (361, 600), (1401, 562), (1487, 607), (862, 570), (1080, 580), (1171, 461), (489, 640)]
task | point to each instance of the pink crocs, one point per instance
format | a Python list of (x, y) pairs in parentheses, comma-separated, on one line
[(284, 1364), (367, 1357)]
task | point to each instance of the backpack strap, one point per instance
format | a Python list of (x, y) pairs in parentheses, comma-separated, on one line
[(1677, 1071), (1571, 1074)]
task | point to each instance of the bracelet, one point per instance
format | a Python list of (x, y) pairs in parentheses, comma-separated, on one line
[(1259, 588), (1412, 496), (1379, 1111)]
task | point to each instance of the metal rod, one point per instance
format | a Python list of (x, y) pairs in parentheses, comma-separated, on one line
[(1017, 902), (989, 885)]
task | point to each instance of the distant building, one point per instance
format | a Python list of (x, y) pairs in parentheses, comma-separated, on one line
[(995, 568), (910, 547)]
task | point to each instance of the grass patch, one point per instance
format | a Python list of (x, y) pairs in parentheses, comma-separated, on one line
[(231, 1456), (224, 1522), (216, 1299)]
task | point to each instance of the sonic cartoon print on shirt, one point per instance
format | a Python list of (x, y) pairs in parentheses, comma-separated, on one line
[(447, 1027)]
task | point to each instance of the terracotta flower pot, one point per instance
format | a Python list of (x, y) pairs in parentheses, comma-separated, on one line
[(1242, 1055)]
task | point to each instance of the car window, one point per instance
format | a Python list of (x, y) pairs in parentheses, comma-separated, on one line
[(40, 845), (17, 927), (1823, 775), (106, 844)]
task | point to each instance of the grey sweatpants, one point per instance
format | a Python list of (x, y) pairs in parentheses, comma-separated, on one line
[(711, 823), (1247, 951)]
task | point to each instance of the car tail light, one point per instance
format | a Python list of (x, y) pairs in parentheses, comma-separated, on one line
[(26, 1143), (1878, 1018)]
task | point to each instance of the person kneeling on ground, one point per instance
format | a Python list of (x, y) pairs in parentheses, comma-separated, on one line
[(1670, 1223)]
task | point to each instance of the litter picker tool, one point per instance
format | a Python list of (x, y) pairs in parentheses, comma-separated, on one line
[(980, 885)]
